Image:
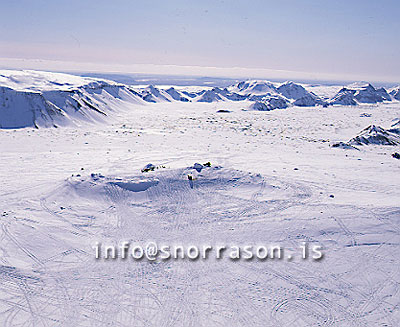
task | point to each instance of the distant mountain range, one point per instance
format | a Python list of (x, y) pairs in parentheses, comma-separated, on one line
[(42, 99)]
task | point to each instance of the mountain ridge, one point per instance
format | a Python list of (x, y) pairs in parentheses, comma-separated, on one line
[(44, 99)]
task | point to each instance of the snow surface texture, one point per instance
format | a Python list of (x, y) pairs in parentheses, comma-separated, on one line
[(42, 99), (274, 178)]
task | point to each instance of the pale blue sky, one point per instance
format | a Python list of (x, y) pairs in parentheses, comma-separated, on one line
[(357, 39)]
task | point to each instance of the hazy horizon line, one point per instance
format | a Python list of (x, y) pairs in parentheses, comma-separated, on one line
[(63, 66)]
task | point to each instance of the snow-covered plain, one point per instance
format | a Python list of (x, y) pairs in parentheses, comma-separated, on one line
[(275, 177)]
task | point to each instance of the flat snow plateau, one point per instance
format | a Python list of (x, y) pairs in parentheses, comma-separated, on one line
[(274, 178)]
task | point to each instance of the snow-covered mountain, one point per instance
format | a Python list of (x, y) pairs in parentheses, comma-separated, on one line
[(31, 98), (344, 97), (369, 94), (209, 96), (309, 100), (300, 95), (254, 87), (358, 93), (267, 93), (270, 102), (375, 135), (395, 93), (155, 94), (42, 99), (292, 90), (175, 95)]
